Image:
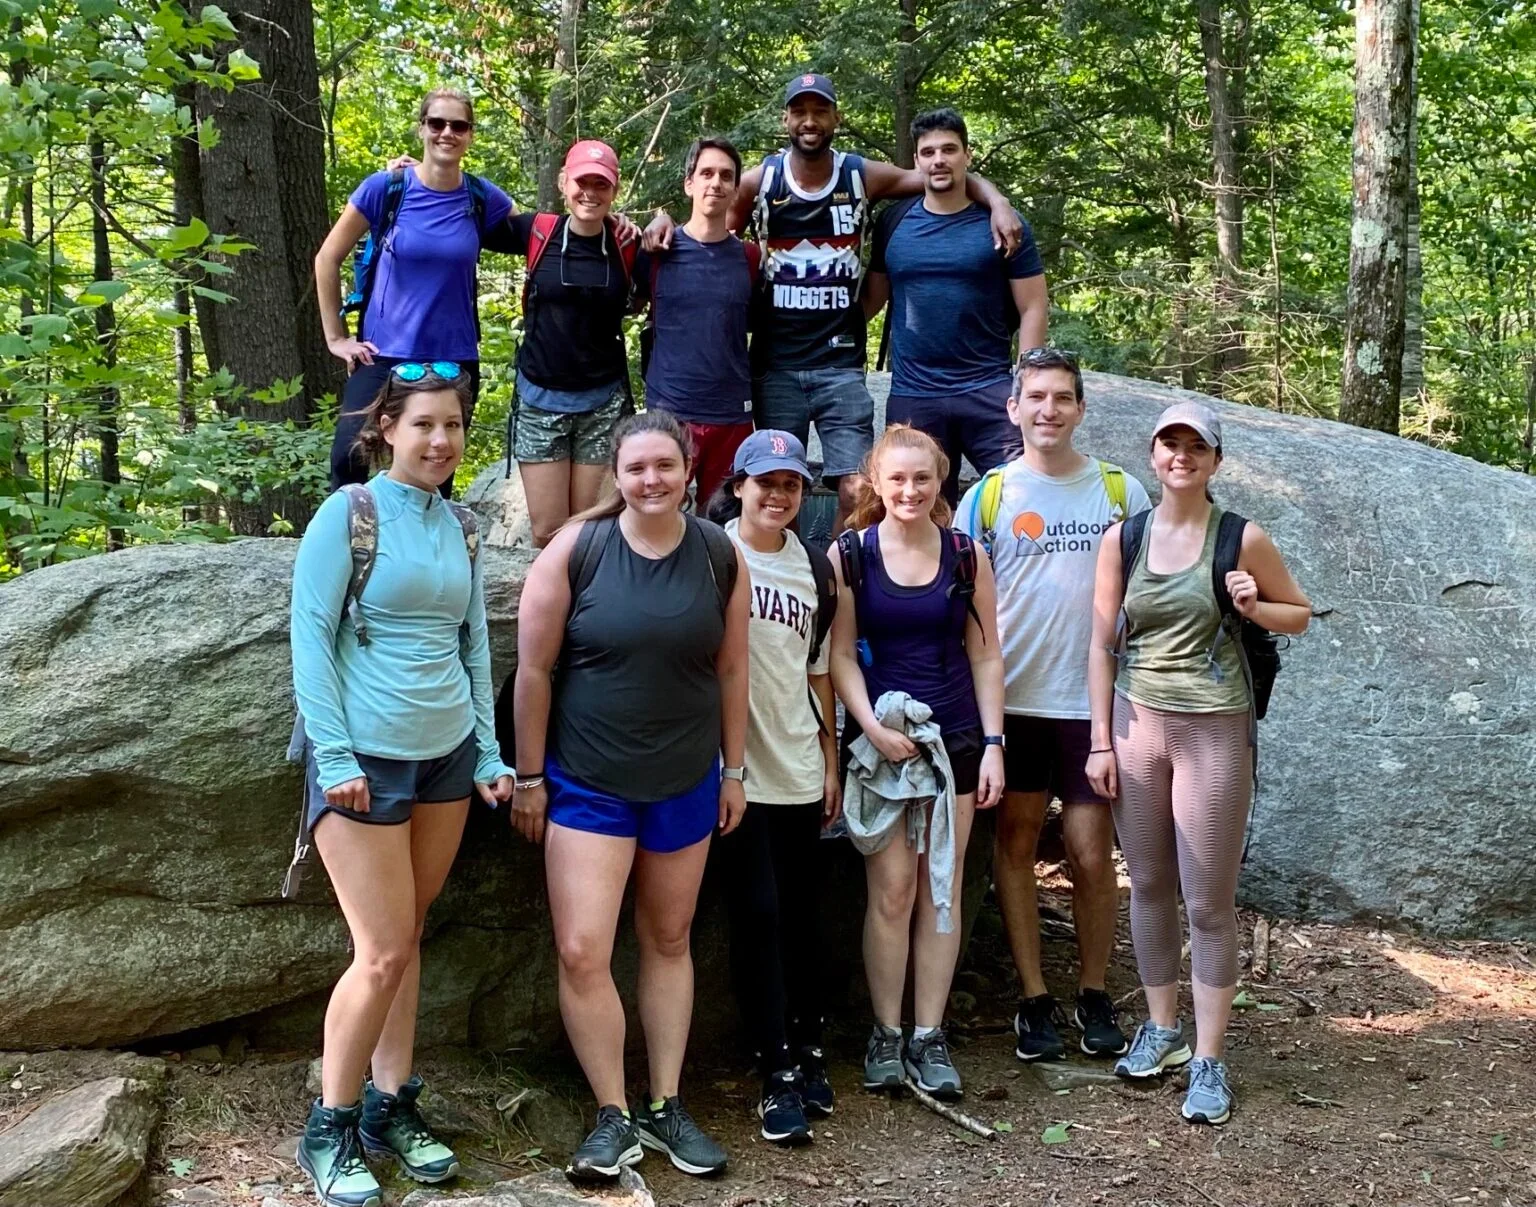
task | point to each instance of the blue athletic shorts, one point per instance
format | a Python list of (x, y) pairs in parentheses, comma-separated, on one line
[(661, 826), (394, 785)]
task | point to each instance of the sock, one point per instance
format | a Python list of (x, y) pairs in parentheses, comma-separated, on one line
[(657, 1104), (922, 1032), (625, 1109)]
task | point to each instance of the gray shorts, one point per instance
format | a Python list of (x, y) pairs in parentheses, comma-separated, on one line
[(583, 437), (837, 401), (395, 785)]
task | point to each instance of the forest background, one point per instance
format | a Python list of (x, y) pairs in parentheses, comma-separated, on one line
[(1192, 169)]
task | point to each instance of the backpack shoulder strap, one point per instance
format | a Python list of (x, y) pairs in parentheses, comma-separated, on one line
[(722, 558), (477, 196), (1113, 478), (540, 235), (470, 523), (964, 586), (394, 193), (586, 553), (773, 171), (1132, 533), (754, 252), (826, 595), (988, 505), (628, 250), (851, 548), (1229, 548), (363, 541)]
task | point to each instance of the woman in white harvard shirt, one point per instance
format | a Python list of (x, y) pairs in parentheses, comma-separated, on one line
[(769, 863)]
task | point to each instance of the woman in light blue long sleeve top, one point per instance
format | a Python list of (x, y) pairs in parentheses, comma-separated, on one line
[(397, 706)]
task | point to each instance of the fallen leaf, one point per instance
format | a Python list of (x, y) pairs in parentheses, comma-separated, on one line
[(1244, 1000), (182, 1166), (1055, 1134), (1499, 1142), (1151, 1143), (1002, 1125)]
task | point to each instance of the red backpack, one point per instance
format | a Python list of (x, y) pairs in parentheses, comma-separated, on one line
[(542, 235)]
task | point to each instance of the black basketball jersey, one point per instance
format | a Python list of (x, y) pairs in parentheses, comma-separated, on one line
[(808, 314)]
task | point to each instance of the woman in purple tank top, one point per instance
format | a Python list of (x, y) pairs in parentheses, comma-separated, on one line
[(906, 625)]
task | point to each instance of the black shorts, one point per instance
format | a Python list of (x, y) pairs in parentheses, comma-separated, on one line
[(1050, 755), (964, 750), (395, 785)]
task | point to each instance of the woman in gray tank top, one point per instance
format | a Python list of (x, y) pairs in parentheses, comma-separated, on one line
[(631, 689), (1171, 745)]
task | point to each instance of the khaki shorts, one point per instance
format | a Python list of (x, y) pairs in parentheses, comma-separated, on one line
[(585, 438)]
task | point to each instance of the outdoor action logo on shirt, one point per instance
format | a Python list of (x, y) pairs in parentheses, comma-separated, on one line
[(1035, 537)]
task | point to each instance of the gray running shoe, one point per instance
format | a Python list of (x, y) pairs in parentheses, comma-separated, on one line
[(1210, 1097), (882, 1059), (930, 1067), (671, 1130), (608, 1148), (1154, 1050)]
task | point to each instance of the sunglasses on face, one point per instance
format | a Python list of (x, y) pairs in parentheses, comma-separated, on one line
[(458, 125), (414, 370)]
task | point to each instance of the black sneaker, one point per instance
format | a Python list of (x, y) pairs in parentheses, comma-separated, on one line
[(815, 1089), (782, 1111), (1096, 1017), (1034, 1029), (670, 1129), (608, 1148)]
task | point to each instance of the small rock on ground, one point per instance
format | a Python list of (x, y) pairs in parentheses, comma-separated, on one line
[(550, 1188), (1064, 1075)]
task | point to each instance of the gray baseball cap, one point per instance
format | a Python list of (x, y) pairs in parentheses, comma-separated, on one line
[(767, 450), (1194, 415)]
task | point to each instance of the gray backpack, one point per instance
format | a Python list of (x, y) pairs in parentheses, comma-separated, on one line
[(363, 540)]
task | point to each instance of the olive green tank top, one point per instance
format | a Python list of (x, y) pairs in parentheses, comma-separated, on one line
[(1171, 623)]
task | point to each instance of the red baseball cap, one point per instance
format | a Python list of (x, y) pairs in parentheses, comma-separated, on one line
[(590, 157)]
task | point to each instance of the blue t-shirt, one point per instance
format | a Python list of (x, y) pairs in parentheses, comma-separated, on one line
[(423, 302), (701, 294), (952, 315)]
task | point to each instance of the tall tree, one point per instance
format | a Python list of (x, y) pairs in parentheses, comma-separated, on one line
[(1225, 54), (561, 110), (108, 398), (1385, 43), (1413, 311)]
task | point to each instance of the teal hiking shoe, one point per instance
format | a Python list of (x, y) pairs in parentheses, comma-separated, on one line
[(670, 1129), (329, 1152), (1209, 1099), (1154, 1050), (392, 1126)]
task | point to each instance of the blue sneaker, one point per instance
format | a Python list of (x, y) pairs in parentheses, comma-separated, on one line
[(782, 1110), (1154, 1050), (1210, 1097), (815, 1089)]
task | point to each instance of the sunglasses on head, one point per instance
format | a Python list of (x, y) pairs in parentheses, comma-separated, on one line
[(458, 125), (414, 370), (1055, 357)]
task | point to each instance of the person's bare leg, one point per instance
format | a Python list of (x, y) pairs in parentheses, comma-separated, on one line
[(587, 482), (1213, 1010), (847, 499), (586, 875), (436, 829), (1019, 820), (891, 877), (370, 869), (1089, 831), (666, 892), (934, 955), (547, 490)]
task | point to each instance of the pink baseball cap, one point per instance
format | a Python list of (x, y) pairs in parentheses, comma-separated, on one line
[(590, 157)]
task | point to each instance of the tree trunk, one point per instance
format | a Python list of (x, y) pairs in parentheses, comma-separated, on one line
[(1373, 344), (558, 131), (904, 108), (108, 399), (1413, 308), (1224, 92), (271, 145)]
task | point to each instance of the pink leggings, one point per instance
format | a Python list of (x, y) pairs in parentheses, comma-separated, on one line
[(1186, 781)]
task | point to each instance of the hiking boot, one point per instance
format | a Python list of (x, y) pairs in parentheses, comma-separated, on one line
[(670, 1129), (882, 1059), (392, 1126), (1034, 1030), (782, 1111), (1096, 1018), (929, 1066), (608, 1148), (1209, 1099), (1154, 1050), (815, 1090), (330, 1154)]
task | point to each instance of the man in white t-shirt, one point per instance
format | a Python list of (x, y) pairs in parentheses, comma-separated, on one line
[(1041, 518)]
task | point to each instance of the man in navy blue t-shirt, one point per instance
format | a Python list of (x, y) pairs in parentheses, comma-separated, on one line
[(956, 304), (701, 292)]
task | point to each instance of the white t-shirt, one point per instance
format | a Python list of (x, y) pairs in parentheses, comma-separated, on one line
[(784, 762), (1044, 559)]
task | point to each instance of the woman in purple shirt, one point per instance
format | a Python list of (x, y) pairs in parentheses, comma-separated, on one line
[(421, 300), (906, 628)]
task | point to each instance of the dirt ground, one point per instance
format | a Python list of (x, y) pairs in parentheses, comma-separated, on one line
[(1369, 1068)]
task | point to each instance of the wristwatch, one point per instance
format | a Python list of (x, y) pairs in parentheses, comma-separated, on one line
[(995, 739), (739, 774)]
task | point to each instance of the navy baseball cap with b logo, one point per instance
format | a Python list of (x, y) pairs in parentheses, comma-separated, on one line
[(768, 450), (813, 83)]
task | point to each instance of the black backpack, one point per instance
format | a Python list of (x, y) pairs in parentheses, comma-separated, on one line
[(1257, 648)]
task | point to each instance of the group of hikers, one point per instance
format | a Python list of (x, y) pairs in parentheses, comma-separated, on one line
[(681, 650)]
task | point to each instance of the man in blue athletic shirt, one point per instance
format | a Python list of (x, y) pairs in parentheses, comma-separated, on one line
[(701, 293), (956, 303)]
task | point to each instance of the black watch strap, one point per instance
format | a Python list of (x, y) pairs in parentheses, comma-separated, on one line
[(994, 739)]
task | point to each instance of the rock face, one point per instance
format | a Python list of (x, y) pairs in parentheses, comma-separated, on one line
[(82, 1149), (146, 814)]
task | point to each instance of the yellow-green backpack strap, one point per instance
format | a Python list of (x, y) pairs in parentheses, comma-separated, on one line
[(990, 503), (1114, 487)]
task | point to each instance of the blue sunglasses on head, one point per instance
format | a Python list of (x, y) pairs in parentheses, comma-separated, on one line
[(414, 370)]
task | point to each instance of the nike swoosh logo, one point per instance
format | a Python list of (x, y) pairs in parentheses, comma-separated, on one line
[(779, 201)]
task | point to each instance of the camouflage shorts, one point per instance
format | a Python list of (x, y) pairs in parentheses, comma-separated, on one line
[(585, 438)]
